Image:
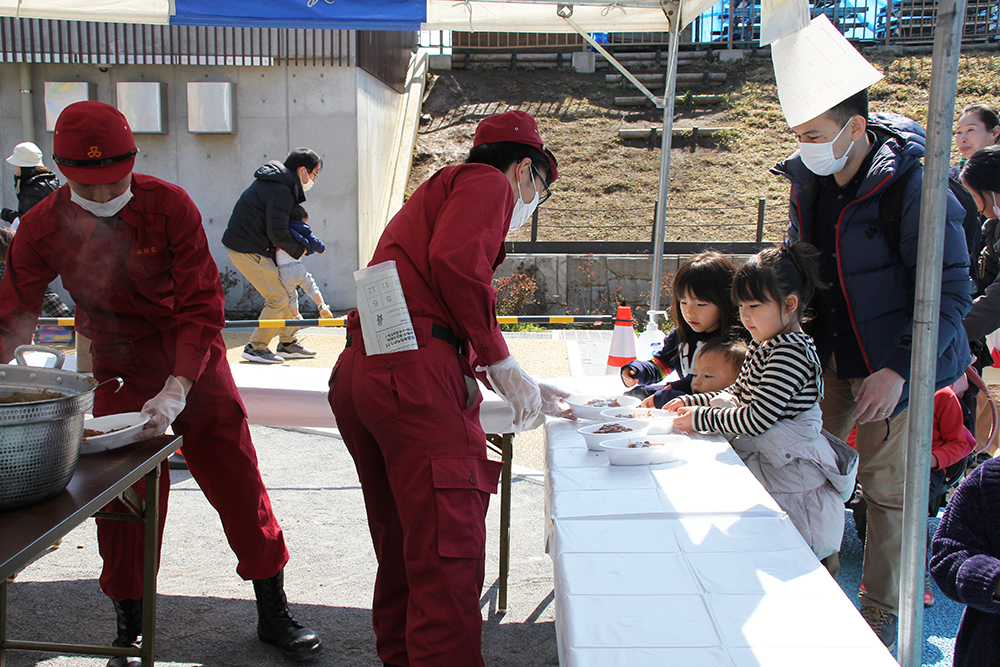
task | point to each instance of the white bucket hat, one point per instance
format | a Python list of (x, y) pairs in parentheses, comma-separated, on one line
[(26, 154)]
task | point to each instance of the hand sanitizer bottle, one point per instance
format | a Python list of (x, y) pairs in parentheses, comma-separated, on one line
[(651, 340)]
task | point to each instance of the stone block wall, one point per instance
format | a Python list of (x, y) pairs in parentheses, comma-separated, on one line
[(593, 284)]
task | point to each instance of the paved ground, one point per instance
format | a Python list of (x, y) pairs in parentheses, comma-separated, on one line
[(206, 613)]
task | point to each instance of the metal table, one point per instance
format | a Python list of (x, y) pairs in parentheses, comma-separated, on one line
[(99, 479)]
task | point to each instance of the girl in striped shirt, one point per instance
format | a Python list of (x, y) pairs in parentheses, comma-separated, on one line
[(771, 414)]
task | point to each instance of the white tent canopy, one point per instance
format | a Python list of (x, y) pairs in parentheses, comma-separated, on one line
[(155, 12), (541, 16), (538, 17)]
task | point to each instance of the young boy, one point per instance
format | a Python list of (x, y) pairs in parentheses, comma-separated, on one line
[(292, 272), (716, 365)]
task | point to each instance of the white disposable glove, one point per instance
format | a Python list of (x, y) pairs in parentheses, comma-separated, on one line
[(553, 403), (163, 408), (324, 312), (517, 388)]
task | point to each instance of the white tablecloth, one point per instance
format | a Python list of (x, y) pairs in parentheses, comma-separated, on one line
[(295, 397), (290, 397), (690, 563)]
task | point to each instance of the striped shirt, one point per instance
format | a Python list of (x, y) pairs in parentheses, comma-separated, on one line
[(780, 379)]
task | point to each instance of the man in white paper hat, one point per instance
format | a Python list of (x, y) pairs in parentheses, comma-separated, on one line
[(848, 162)]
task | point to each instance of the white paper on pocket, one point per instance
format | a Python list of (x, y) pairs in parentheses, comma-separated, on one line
[(385, 322)]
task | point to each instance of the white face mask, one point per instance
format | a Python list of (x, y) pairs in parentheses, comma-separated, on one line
[(307, 186), (996, 209), (522, 211), (102, 210), (819, 158)]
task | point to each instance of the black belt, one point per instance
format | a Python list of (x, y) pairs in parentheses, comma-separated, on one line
[(437, 331)]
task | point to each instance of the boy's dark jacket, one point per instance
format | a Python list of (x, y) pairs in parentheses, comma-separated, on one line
[(302, 233), (879, 282)]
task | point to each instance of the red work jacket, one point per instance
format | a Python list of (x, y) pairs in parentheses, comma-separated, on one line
[(447, 241), (152, 272)]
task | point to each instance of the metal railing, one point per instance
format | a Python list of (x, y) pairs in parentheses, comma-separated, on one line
[(636, 225)]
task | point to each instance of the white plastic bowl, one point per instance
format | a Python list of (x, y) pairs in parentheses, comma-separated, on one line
[(584, 409), (594, 439), (664, 449), (662, 420), (116, 431)]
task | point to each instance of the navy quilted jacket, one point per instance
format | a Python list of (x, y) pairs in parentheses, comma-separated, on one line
[(879, 280)]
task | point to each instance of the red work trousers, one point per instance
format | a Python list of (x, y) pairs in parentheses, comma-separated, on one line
[(409, 422), (217, 448)]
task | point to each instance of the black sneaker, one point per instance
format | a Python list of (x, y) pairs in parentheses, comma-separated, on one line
[(264, 356), (295, 351), (882, 623)]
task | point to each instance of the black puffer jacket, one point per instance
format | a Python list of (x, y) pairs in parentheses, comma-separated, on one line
[(259, 222), (30, 192)]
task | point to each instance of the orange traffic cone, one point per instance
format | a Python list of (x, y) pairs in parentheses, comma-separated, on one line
[(622, 342)]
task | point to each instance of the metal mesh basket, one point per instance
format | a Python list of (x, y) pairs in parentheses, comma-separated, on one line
[(37, 460), (40, 440)]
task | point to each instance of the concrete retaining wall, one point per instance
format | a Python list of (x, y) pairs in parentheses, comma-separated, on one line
[(593, 284)]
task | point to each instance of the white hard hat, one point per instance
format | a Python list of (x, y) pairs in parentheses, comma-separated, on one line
[(26, 154)]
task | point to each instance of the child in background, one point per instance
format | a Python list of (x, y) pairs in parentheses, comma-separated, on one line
[(717, 364), (700, 305), (292, 272), (771, 414), (965, 562)]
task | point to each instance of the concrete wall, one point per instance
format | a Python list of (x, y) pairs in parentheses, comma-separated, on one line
[(341, 112), (593, 284), (379, 120)]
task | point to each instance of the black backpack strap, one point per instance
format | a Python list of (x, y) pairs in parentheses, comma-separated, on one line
[(890, 213)]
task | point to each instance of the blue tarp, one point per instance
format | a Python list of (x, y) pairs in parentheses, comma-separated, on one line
[(335, 14)]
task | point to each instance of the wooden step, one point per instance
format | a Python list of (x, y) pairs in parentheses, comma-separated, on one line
[(682, 77), (542, 60), (644, 101), (646, 132)]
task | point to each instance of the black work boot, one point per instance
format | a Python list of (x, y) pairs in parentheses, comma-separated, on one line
[(277, 626), (129, 617)]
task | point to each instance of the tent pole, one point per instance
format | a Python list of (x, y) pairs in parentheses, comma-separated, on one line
[(668, 134), (933, 211)]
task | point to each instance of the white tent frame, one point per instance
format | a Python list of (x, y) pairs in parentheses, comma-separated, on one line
[(944, 76)]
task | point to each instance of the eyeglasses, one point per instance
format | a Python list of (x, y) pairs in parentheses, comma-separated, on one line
[(546, 193)]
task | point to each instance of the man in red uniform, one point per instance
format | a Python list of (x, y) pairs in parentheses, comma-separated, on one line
[(411, 419), (132, 252)]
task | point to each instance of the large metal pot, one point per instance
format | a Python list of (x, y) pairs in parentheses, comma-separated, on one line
[(40, 440)]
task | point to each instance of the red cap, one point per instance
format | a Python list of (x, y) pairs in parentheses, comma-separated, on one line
[(516, 126), (93, 143)]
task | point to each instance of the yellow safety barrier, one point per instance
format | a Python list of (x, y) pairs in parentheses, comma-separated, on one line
[(342, 321)]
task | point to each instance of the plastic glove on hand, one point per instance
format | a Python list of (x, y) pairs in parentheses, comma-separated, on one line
[(553, 403), (517, 388), (163, 408), (324, 312)]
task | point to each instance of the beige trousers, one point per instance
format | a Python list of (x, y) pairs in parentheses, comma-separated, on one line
[(262, 273), (881, 470)]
